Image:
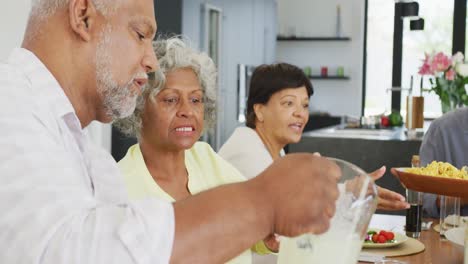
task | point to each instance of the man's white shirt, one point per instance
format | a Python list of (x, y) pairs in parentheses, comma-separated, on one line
[(62, 199)]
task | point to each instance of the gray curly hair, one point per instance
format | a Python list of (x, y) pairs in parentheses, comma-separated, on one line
[(175, 53)]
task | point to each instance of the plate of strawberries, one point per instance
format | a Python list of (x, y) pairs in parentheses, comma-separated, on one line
[(377, 238)]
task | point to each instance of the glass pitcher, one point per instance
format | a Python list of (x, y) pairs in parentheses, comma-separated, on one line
[(342, 243)]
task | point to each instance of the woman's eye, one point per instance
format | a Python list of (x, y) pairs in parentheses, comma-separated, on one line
[(306, 105), (196, 100), (288, 103), (171, 100)]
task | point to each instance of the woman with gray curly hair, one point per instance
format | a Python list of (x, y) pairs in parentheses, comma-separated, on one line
[(170, 116)]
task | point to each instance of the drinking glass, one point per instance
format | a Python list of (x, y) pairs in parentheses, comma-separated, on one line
[(414, 213), (449, 213), (343, 241)]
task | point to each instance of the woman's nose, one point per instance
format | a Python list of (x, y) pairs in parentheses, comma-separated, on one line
[(185, 110), (300, 112)]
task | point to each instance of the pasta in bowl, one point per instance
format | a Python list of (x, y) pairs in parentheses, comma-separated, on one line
[(438, 177), (441, 169)]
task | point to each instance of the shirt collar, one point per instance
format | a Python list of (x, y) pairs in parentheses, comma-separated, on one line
[(44, 85)]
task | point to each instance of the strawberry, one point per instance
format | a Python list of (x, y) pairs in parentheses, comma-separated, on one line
[(381, 239), (375, 238), (390, 235)]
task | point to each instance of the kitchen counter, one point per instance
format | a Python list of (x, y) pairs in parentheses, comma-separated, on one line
[(340, 131), (368, 149)]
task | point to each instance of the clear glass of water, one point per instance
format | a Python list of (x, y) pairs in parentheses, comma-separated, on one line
[(449, 214), (342, 243)]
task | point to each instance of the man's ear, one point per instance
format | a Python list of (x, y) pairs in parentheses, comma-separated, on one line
[(258, 110), (82, 15)]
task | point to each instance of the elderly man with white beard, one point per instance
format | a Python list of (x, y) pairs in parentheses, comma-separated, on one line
[(63, 200)]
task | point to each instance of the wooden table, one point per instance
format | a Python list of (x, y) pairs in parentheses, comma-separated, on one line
[(437, 251)]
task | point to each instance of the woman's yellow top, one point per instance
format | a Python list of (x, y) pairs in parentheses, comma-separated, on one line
[(206, 170)]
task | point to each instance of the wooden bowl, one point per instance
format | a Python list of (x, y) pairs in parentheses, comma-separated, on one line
[(432, 184)]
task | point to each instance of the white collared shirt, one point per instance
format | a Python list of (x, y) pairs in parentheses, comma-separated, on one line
[(62, 199)]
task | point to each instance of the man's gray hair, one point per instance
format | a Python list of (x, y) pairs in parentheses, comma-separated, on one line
[(175, 53), (43, 8)]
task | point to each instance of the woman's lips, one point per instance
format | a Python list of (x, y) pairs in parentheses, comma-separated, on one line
[(185, 130), (296, 126)]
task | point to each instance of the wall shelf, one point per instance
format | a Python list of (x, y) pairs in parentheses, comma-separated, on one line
[(330, 77), (282, 38)]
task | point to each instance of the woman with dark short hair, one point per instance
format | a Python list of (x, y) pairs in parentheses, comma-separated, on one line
[(277, 112), (269, 79)]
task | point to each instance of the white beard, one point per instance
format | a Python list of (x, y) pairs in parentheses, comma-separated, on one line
[(118, 100)]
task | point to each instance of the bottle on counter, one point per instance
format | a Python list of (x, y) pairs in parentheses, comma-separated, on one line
[(415, 161)]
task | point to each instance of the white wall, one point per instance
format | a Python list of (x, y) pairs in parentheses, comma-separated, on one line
[(248, 37), (13, 18), (318, 18)]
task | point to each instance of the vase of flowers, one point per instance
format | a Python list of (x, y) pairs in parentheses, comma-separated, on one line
[(449, 75)]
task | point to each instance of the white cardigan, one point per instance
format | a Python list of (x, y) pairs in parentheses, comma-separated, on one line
[(245, 151)]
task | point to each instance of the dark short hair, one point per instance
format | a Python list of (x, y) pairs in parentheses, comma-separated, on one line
[(269, 79)]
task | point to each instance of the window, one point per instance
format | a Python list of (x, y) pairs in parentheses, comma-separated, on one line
[(211, 43), (379, 56), (437, 36)]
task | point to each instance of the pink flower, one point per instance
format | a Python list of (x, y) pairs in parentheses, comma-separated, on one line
[(450, 75), (440, 62), (425, 69)]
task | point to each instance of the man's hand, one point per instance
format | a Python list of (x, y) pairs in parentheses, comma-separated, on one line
[(301, 191), (295, 195), (388, 200)]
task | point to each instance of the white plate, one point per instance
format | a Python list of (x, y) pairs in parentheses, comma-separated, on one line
[(399, 239), (456, 236)]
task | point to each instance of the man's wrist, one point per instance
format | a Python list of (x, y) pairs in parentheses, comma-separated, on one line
[(259, 196)]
